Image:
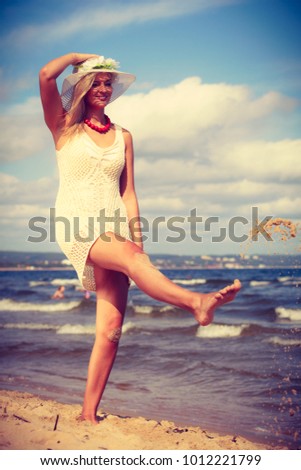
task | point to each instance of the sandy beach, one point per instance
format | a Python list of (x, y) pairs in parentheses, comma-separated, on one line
[(30, 422)]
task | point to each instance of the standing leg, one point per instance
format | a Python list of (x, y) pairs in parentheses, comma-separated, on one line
[(112, 291), (125, 256)]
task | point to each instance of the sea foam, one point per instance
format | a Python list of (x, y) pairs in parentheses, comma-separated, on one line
[(259, 283), (28, 326), (220, 331), (78, 329), (278, 341), (144, 309), (284, 278), (190, 282), (13, 306), (38, 283), (288, 314), (67, 329), (289, 281), (65, 282)]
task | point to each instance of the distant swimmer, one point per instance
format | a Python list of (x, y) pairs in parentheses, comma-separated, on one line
[(59, 293), (87, 295)]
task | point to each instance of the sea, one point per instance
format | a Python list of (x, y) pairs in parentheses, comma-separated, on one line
[(239, 376)]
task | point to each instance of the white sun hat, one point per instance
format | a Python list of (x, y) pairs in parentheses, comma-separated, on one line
[(121, 83)]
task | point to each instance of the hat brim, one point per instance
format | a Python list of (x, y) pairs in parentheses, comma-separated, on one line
[(121, 83)]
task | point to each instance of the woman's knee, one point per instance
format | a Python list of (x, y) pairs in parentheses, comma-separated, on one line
[(110, 331), (139, 260)]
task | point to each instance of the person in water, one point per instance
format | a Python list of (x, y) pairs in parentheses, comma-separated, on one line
[(59, 293), (98, 200)]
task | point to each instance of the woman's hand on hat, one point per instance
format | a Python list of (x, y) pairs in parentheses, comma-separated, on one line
[(78, 57)]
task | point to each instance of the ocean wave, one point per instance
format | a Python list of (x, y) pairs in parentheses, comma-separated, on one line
[(144, 309), (148, 309), (67, 329), (56, 282), (78, 329), (167, 308), (28, 326), (70, 329), (277, 340), (284, 278), (289, 313), (13, 306), (65, 282), (128, 326), (38, 283), (190, 282), (220, 331), (259, 283), (289, 281)]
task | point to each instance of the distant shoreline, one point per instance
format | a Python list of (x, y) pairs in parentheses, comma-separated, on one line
[(178, 268), (35, 268)]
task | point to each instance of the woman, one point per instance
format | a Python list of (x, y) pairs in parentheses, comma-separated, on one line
[(96, 208)]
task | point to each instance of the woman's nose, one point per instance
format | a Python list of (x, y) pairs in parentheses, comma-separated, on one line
[(102, 87)]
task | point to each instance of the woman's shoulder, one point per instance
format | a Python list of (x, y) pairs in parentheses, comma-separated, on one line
[(127, 136), (122, 129)]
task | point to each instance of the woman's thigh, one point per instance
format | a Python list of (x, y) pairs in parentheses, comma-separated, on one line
[(113, 252)]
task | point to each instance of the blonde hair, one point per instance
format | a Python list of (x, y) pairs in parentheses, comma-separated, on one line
[(78, 107)]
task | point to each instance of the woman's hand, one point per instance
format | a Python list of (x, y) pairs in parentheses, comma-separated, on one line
[(78, 58)]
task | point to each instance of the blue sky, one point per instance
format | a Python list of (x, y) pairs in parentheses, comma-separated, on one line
[(215, 110)]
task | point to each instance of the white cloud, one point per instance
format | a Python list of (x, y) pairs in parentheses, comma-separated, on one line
[(31, 106), (21, 201), (185, 118), (9, 88), (25, 133), (109, 16), (283, 207), (162, 203), (263, 161), (197, 146), (15, 191)]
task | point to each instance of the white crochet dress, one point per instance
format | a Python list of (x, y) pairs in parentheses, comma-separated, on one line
[(89, 195)]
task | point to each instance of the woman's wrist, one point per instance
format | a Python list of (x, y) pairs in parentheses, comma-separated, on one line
[(78, 57)]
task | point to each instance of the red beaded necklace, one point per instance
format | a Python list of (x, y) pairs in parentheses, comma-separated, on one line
[(103, 129)]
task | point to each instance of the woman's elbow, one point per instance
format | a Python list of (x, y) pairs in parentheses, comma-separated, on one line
[(129, 196), (44, 75)]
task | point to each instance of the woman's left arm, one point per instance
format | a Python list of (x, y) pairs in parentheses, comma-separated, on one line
[(127, 191)]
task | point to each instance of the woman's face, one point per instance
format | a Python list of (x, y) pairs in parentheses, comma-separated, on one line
[(101, 91)]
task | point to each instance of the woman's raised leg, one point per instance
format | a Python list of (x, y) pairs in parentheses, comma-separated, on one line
[(113, 252), (112, 290)]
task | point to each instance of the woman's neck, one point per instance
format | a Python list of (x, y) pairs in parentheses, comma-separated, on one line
[(96, 116)]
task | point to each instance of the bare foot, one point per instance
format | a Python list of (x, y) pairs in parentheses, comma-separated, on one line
[(91, 419), (204, 312)]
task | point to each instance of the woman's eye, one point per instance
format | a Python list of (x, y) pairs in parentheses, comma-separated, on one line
[(97, 84)]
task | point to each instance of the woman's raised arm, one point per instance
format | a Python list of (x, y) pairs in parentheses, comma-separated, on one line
[(54, 114)]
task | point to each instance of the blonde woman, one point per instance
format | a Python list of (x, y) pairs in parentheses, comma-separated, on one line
[(97, 213)]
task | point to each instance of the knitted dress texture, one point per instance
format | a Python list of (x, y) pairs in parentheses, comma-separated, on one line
[(88, 202)]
